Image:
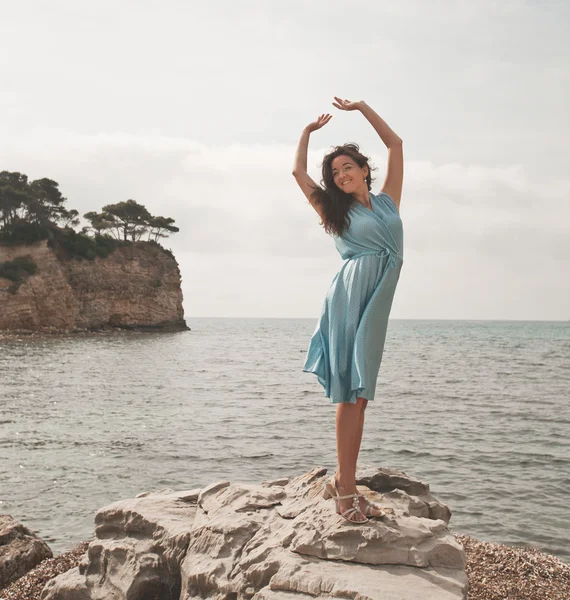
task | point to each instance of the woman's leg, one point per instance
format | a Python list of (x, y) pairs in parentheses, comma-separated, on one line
[(363, 405), (371, 512), (349, 427)]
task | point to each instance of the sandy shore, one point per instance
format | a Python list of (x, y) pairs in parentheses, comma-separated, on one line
[(495, 572)]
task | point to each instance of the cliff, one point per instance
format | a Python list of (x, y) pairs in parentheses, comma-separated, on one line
[(134, 286)]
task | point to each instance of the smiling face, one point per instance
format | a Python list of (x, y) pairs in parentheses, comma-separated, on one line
[(347, 175)]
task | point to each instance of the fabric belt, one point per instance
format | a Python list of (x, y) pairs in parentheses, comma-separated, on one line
[(393, 256)]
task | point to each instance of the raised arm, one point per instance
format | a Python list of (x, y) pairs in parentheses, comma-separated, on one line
[(395, 169), (302, 178)]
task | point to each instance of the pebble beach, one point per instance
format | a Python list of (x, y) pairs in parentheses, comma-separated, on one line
[(495, 572)]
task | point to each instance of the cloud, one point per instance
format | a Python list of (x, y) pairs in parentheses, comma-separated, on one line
[(470, 230)]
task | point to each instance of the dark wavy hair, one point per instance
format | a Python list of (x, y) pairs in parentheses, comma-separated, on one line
[(334, 203)]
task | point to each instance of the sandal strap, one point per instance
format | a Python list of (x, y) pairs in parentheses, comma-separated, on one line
[(370, 506), (347, 496), (337, 491), (349, 512)]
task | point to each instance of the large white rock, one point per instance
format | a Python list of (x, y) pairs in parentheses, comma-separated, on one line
[(275, 541)]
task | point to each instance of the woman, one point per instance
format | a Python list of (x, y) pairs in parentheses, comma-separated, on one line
[(346, 348)]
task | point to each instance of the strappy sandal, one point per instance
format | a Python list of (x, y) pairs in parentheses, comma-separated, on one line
[(331, 491), (371, 507)]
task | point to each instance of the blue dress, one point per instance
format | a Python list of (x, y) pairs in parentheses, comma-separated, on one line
[(346, 348)]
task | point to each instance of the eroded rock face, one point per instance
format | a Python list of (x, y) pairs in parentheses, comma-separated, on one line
[(274, 541), (135, 286), (20, 550)]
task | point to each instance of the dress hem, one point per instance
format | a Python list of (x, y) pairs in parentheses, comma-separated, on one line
[(332, 401)]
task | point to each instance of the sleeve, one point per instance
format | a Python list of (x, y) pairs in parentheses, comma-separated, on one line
[(388, 202)]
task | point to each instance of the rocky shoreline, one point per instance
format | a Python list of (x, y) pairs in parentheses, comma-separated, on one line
[(50, 333), (494, 571), (278, 540)]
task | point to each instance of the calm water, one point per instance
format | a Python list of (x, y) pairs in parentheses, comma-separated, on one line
[(479, 410)]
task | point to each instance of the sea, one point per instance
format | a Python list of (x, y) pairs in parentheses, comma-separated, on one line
[(480, 410)]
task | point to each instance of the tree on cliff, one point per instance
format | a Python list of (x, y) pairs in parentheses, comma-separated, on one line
[(130, 220), (159, 226), (100, 222), (31, 211), (45, 204), (38, 201), (13, 195)]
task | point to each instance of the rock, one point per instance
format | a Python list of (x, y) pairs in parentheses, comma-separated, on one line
[(275, 541), (385, 480), (121, 290), (399, 490), (20, 550), (281, 481)]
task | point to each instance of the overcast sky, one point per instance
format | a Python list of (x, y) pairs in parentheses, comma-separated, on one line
[(195, 108)]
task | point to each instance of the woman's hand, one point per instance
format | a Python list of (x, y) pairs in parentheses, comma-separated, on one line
[(321, 121), (346, 104)]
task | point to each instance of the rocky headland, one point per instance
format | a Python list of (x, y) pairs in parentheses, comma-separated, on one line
[(281, 540), (135, 286)]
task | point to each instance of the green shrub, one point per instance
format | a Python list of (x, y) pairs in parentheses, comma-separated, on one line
[(18, 269), (22, 232), (69, 243), (25, 263), (79, 246), (157, 245), (106, 244)]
